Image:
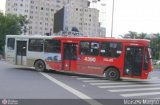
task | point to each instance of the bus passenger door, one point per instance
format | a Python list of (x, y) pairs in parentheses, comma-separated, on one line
[(133, 61), (21, 52), (69, 56)]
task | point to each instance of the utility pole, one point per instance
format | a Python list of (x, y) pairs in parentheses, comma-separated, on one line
[(112, 18)]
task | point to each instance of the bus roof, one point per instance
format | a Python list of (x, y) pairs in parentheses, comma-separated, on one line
[(28, 36), (144, 41), (73, 38)]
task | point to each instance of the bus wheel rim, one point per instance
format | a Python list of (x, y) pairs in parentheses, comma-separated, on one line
[(112, 74)]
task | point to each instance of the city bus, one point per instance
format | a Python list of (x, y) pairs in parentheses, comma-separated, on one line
[(111, 58)]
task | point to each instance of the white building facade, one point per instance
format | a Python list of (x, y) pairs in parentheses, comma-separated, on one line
[(40, 14)]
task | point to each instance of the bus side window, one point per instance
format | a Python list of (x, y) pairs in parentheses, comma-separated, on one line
[(84, 48), (89, 48), (111, 49), (94, 48), (35, 45), (10, 43), (52, 46)]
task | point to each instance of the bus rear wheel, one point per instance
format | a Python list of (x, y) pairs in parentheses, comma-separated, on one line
[(40, 66), (112, 74)]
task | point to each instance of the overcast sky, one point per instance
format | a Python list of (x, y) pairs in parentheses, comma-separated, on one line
[(2, 4), (129, 15)]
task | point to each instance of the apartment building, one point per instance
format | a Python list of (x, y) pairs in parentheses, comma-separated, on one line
[(40, 14), (84, 19)]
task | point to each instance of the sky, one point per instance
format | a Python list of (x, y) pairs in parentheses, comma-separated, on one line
[(129, 15), (133, 15), (2, 5)]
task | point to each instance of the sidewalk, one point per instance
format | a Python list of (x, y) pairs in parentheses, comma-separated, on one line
[(156, 68), (1, 58)]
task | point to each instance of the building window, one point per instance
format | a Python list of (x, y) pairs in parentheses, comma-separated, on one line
[(76, 9), (52, 10), (31, 17), (30, 27), (35, 45), (80, 23), (31, 12), (32, 2), (47, 9), (47, 14), (46, 29), (41, 8), (26, 11), (58, 1), (58, 6), (15, 9), (46, 24), (15, 4), (32, 7)]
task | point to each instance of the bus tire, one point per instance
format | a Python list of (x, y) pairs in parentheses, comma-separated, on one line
[(112, 74), (40, 66)]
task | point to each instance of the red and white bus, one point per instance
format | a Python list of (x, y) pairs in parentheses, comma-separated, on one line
[(109, 57)]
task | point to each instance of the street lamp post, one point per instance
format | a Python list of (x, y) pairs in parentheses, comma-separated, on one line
[(112, 18)]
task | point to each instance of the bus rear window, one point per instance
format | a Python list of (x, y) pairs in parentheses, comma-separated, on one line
[(10, 43), (111, 49), (52, 46)]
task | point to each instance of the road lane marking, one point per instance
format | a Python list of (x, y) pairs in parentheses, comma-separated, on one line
[(95, 81), (140, 94), (86, 78), (156, 98), (110, 83), (74, 76), (72, 90), (118, 86), (130, 90)]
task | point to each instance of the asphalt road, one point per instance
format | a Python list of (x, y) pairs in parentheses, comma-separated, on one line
[(28, 87)]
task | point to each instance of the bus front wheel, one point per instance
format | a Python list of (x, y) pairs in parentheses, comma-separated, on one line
[(112, 74), (40, 66)]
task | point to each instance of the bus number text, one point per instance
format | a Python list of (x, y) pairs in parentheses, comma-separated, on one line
[(90, 59)]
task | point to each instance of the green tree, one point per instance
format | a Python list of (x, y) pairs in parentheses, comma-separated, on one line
[(155, 44), (142, 35), (12, 25), (131, 35)]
